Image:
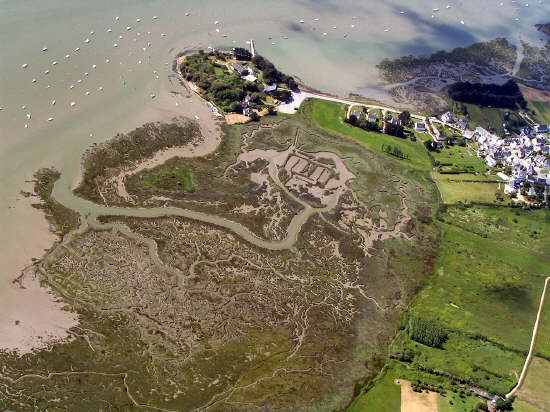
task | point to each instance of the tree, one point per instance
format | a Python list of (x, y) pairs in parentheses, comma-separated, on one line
[(236, 107), (394, 129), (427, 332), (242, 54), (405, 117), (254, 116)]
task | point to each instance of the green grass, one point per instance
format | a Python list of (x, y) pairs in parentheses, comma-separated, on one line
[(490, 118), (330, 115), (468, 188), (460, 158), (177, 179), (542, 109), (535, 388), (491, 265), (452, 402), (522, 406), (385, 396)]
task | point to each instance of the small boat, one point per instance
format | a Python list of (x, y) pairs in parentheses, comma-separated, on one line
[(67, 56), (92, 33), (46, 72), (138, 20), (100, 88), (109, 30), (26, 126), (462, 22), (216, 22), (50, 119), (87, 41), (187, 14), (117, 18), (115, 45), (29, 116), (120, 37), (54, 63), (53, 102), (87, 93), (94, 66), (334, 27), (316, 19), (107, 61), (23, 107), (34, 80), (153, 96), (325, 33), (163, 34), (86, 74), (156, 17), (302, 21), (353, 26), (24, 66), (71, 86), (79, 81), (44, 49), (77, 49), (128, 28), (73, 104)]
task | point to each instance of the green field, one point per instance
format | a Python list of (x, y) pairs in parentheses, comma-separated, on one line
[(542, 109), (468, 188), (460, 158), (385, 396), (493, 118), (490, 270), (330, 115), (535, 389), (178, 179)]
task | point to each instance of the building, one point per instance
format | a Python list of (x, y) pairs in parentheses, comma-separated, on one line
[(243, 71), (395, 122), (439, 135), (357, 115), (270, 89), (250, 78), (420, 126), (372, 118), (448, 118), (462, 124), (541, 128)]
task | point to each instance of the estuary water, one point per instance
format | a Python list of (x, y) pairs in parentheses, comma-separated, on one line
[(75, 72)]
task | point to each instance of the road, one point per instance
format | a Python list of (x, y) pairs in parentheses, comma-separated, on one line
[(299, 97)]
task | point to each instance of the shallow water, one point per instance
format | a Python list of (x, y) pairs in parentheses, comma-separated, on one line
[(329, 62)]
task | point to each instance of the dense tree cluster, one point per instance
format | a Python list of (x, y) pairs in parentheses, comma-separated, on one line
[(226, 90), (242, 54), (427, 332), (394, 129), (507, 95), (363, 124), (271, 74)]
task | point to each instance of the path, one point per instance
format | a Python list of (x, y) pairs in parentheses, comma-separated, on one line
[(536, 327)]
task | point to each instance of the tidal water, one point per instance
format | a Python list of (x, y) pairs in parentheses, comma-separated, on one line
[(106, 63)]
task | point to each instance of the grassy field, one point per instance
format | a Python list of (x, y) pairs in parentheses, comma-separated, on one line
[(489, 275), (384, 397), (535, 390), (460, 158), (542, 109), (178, 179), (490, 118), (468, 188), (330, 115)]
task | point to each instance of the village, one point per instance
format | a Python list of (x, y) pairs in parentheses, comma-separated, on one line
[(523, 160)]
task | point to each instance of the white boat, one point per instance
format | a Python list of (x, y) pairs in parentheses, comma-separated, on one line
[(100, 88), (87, 41), (54, 63), (128, 28), (44, 49), (24, 65), (46, 72), (138, 20), (117, 18), (156, 17), (34, 80), (29, 116), (73, 104), (92, 33), (109, 30), (115, 45), (53, 102), (94, 66), (71, 86), (67, 56), (77, 49), (107, 61), (50, 119), (302, 21)]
